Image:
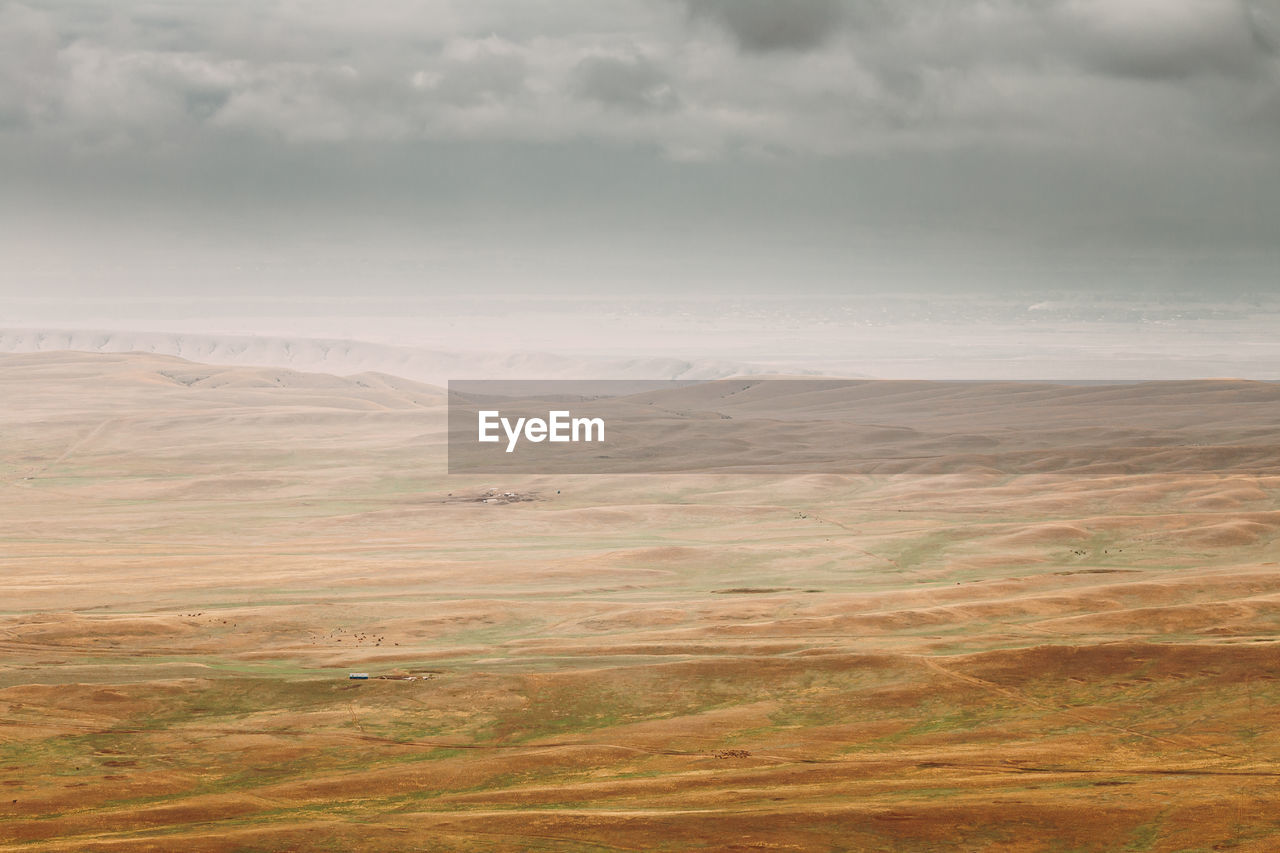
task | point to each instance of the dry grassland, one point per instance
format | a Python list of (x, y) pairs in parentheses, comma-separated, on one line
[(193, 558)]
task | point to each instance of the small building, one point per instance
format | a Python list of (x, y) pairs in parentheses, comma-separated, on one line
[(363, 676)]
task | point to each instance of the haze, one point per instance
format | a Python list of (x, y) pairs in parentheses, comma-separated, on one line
[(240, 169)]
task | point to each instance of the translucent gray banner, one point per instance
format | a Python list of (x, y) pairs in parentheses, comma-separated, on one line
[(781, 426)]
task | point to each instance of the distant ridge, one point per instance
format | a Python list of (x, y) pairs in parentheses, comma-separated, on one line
[(347, 357)]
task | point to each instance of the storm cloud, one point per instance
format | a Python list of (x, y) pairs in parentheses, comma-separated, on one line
[(807, 76), (836, 132)]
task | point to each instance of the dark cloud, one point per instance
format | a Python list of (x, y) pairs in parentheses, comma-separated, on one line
[(1264, 23), (804, 77), (1103, 126), (202, 103), (28, 65), (769, 25), (632, 83)]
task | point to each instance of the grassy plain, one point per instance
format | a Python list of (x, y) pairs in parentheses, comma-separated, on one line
[(193, 558)]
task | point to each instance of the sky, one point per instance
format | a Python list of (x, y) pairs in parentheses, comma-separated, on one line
[(304, 150)]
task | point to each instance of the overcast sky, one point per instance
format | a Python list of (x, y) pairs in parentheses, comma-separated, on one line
[(291, 148)]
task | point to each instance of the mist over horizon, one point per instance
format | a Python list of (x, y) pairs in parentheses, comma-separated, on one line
[(925, 336), (839, 186)]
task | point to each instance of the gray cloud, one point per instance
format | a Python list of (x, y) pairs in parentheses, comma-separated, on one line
[(1172, 41), (28, 65), (1108, 128), (489, 71), (824, 77), (632, 83), (767, 25), (1264, 23)]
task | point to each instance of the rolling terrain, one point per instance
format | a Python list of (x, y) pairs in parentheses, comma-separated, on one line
[(975, 655), (347, 357)]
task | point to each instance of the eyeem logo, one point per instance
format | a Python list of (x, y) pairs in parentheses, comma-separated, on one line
[(560, 426)]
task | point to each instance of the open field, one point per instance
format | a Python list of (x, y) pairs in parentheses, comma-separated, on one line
[(194, 558)]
